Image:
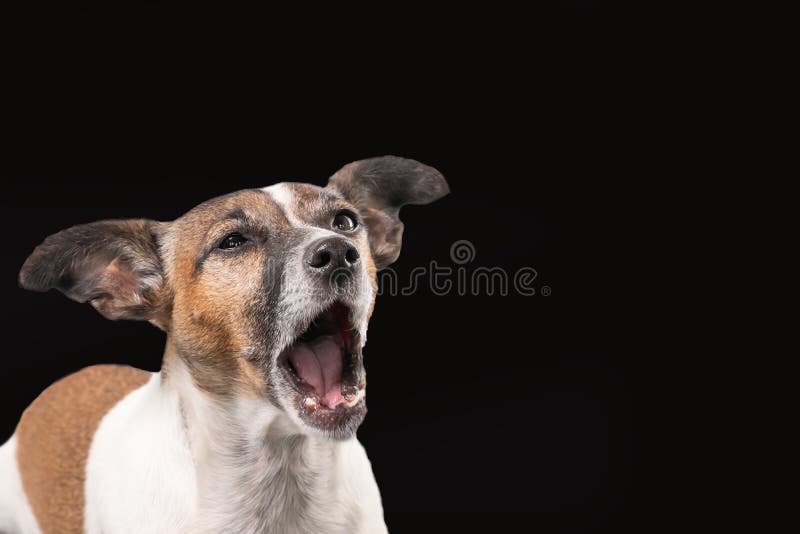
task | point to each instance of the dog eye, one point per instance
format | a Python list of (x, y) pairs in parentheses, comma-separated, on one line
[(345, 221), (232, 241)]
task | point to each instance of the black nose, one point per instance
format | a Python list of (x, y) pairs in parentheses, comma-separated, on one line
[(333, 253)]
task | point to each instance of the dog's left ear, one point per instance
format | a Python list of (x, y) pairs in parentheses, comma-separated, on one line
[(379, 187), (115, 265)]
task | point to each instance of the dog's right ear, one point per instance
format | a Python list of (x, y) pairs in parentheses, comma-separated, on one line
[(379, 187), (114, 265)]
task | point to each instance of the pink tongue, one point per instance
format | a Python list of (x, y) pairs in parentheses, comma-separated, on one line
[(319, 363)]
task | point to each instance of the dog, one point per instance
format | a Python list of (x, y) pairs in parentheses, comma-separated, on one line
[(249, 427)]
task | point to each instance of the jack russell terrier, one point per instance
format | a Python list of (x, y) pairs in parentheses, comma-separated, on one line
[(250, 426)]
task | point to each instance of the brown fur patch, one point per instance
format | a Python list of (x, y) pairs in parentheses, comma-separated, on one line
[(210, 314), (54, 436)]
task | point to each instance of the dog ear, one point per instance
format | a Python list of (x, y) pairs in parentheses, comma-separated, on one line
[(379, 187), (115, 265)]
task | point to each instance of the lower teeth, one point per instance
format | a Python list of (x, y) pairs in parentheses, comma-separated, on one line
[(310, 404)]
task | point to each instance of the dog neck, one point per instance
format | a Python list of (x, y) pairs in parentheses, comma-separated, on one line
[(256, 471)]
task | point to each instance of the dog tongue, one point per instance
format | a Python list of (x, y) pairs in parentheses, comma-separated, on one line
[(319, 363)]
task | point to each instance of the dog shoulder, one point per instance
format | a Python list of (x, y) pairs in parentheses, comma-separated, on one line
[(141, 472), (54, 436)]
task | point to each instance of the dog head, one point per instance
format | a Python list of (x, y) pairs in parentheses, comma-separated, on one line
[(263, 293)]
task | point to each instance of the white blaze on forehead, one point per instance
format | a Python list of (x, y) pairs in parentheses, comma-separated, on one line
[(283, 196)]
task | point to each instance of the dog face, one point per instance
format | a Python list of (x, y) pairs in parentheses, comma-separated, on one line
[(263, 293)]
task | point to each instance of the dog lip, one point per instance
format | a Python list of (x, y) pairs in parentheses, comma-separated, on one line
[(311, 403)]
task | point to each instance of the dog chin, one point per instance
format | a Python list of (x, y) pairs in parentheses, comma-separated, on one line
[(323, 369), (316, 419), (336, 425)]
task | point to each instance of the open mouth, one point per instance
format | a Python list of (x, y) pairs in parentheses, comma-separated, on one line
[(324, 366)]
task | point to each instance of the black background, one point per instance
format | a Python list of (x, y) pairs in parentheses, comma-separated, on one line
[(484, 411)]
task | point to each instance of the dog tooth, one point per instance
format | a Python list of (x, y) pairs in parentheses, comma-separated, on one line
[(310, 404), (353, 398)]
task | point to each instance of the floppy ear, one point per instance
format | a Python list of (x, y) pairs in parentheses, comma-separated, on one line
[(115, 265), (379, 187)]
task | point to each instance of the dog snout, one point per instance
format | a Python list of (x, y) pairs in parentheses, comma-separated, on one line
[(334, 254)]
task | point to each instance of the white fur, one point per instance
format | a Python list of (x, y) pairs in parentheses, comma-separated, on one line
[(140, 474), (16, 516), (169, 458), (282, 194)]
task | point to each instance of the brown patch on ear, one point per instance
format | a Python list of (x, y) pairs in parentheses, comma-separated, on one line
[(120, 282), (385, 235), (379, 187), (54, 437)]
